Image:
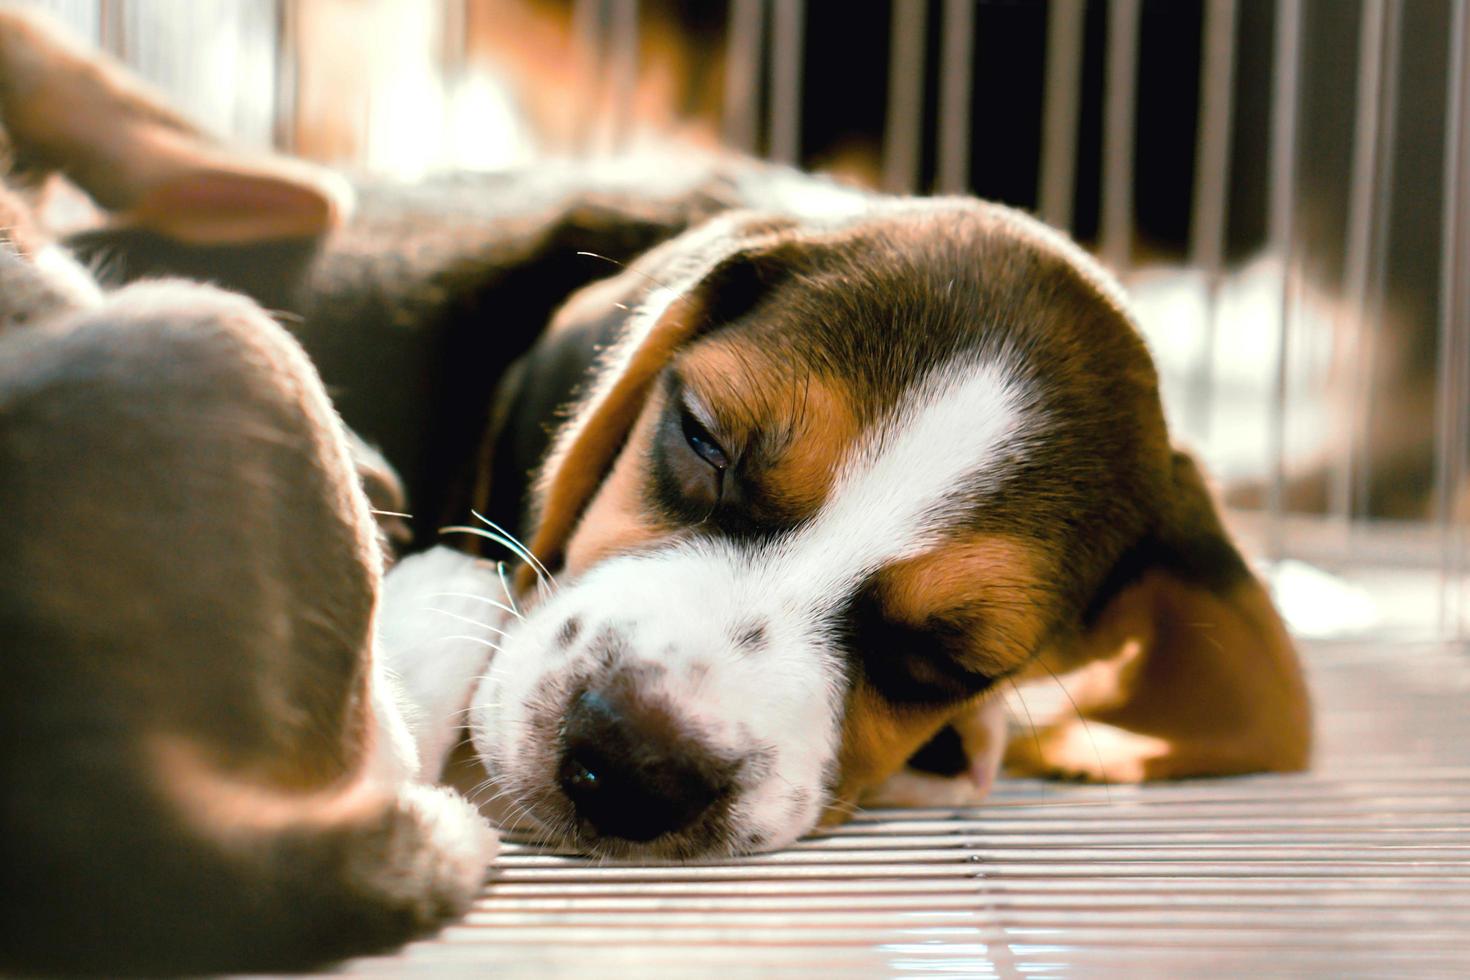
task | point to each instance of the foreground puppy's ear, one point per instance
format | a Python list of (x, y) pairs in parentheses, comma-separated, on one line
[(70, 109), (227, 201), (739, 263), (1189, 668)]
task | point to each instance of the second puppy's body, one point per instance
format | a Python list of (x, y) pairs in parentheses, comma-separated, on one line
[(415, 309)]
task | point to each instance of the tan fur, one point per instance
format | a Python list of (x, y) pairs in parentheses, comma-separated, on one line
[(580, 459), (1180, 680), (615, 522), (978, 576), (970, 577), (1185, 683), (877, 739), (813, 414)]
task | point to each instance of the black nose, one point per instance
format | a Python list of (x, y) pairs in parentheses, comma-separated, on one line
[(631, 770)]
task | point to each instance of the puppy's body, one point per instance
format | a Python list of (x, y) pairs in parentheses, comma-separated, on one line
[(413, 312), (206, 765), (200, 771)]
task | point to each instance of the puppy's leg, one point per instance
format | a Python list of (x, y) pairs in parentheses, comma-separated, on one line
[(71, 109), (1189, 668), (982, 734)]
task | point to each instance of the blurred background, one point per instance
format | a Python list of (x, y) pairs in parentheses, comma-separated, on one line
[(1281, 183)]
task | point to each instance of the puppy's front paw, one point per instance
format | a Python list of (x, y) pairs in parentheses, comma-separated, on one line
[(910, 787), (439, 625), (445, 853), (982, 735), (1093, 751)]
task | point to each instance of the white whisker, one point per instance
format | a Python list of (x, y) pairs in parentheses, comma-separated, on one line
[(480, 532), (517, 545), (477, 598), (465, 619), (472, 639), (505, 587)]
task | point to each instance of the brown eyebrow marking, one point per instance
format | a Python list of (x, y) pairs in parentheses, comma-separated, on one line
[(994, 580), (794, 426)]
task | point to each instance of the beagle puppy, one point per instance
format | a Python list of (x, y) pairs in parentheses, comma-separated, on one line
[(803, 485), (832, 481)]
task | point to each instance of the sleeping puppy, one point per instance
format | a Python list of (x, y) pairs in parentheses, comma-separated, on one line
[(806, 485), (815, 479), (832, 481), (205, 764)]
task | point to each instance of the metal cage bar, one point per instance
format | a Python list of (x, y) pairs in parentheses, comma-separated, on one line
[(903, 128), (742, 74), (1374, 74), (788, 36), (956, 74), (1281, 235), (1120, 91), (1454, 258), (1211, 186), (1061, 107)]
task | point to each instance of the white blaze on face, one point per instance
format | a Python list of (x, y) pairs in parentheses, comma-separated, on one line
[(684, 606), (908, 481)]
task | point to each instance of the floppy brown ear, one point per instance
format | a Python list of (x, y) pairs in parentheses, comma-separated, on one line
[(70, 109), (1187, 667), (708, 276)]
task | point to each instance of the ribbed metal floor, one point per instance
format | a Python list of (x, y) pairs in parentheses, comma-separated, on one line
[(1361, 867)]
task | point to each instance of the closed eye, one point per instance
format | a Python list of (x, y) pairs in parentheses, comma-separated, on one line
[(701, 442)]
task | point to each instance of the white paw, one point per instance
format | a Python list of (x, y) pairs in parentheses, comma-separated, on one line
[(446, 855), (439, 625)]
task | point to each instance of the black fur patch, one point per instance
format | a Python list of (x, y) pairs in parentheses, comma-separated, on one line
[(942, 755), (918, 665)]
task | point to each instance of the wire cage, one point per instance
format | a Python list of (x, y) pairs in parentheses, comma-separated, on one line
[(1281, 185), (1284, 186)]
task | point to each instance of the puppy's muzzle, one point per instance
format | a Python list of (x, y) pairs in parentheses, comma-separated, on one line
[(630, 767)]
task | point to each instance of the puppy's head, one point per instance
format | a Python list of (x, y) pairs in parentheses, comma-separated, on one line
[(835, 480)]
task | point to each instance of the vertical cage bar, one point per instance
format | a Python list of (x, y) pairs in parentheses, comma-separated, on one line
[(1281, 233), (787, 39), (1061, 106), (1362, 203), (956, 69), (1460, 326), (587, 29), (622, 70), (454, 20), (111, 33), (743, 72), (1212, 173), (287, 68), (1119, 115), (1451, 396), (1377, 276), (903, 128), (587, 25)]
